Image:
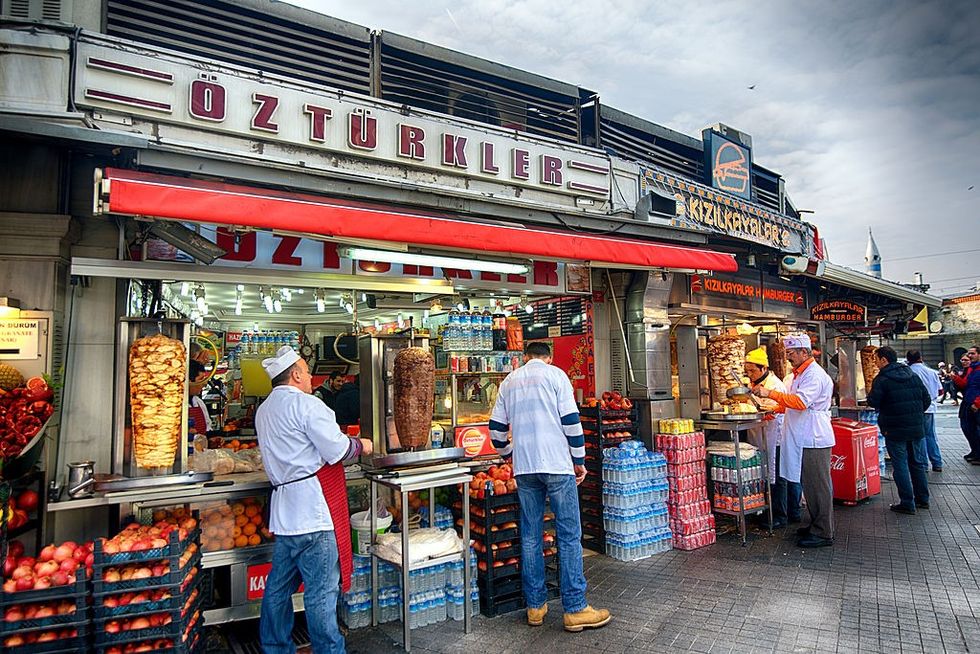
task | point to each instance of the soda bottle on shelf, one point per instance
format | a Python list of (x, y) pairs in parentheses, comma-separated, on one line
[(486, 323)]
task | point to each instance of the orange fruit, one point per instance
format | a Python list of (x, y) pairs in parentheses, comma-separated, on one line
[(228, 543), (236, 532), (249, 529), (238, 508), (254, 539), (241, 541), (257, 520), (159, 514), (251, 510), (241, 520)]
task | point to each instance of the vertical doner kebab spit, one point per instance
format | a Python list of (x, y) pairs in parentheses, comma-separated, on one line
[(868, 366), (414, 382), (725, 354), (157, 376)]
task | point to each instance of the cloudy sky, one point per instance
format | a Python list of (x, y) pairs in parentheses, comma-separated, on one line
[(870, 110)]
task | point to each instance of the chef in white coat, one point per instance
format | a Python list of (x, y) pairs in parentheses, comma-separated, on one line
[(769, 437), (808, 437)]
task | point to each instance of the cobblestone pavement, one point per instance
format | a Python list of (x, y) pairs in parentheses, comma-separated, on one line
[(891, 583)]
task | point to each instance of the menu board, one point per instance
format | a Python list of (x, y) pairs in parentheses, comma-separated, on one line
[(556, 317)]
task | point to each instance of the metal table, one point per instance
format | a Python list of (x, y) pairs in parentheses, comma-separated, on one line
[(733, 428), (404, 484)]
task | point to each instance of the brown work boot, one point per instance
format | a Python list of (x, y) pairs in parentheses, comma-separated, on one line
[(587, 618), (535, 617)]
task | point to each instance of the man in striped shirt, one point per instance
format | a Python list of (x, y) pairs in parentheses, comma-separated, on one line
[(536, 404)]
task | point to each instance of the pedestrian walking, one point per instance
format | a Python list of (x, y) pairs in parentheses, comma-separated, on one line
[(930, 379), (946, 381), (969, 383), (536, 404), (808, 438), (901, 400)]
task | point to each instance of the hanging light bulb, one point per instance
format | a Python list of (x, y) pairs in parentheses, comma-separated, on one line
[(401, 322), (287, 295), (363, 297), (318, 298), (185, 289), (238, 306), (528, 309), (277, 301), (240, 287), (267, 302), (199, 299), (199, 322)]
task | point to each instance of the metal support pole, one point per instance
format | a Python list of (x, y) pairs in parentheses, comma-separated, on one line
[(406, 588), (467, 600), (374, 559), (741, 494)]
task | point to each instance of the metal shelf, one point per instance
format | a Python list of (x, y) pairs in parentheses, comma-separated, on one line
[(428, 563), (239, 555)]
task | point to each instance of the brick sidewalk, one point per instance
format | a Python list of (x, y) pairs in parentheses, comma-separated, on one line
[(891, 583)]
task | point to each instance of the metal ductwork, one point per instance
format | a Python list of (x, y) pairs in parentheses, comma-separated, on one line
[(648, 335)]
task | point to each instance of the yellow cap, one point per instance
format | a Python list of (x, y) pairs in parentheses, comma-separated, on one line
[(758, 356)]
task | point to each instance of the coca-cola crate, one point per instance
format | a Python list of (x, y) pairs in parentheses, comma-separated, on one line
[(75, 643), (688, 526), (173, 550), (689, 482), (78, 613), (685, 469), (669, 442), (174, 578), (79, 588), (690, 496), (694, 541), (684, 456)]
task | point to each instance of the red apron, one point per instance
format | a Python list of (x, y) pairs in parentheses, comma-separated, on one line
[(196, 414), (333, 483)]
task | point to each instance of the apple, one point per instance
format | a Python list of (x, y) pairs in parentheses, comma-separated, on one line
[(24, 583), (13, 614), (47, 636), (46, 568), (44, 611), (47, 553), (9, 565), (10, 586), (139, 623), (30, 611), (42, 582), (21, 572), (68, 565), (66, 607), (15, 548), (79, 554), (111, 548), (159, 542), (64, 552), (140, 597), (111, 575), (21, 516), (89, 560), (15, 641), (110, 602), (60, 578), (125, 599), (126, 546), (142, 573), (112, 627), (127, 574), (143, 647), (27, 561), (159, 570)]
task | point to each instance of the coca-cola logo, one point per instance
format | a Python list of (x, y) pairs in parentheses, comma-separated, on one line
[(871, 441), (837, 461), (873, 471)]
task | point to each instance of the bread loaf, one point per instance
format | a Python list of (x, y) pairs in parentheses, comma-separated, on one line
[(414, 396), (726, 358), (868, 366), (157, 378)]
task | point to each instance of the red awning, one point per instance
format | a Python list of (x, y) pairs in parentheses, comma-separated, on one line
[(176, 198)]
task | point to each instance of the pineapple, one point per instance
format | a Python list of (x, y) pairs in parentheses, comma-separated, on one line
[(10, 377)]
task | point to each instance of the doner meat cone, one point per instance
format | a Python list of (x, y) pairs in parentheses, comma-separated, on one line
[(414, 389), (726, 356), (157, 375), (868, 367)]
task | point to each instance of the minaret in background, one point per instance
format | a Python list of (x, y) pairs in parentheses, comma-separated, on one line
[(872, 259)]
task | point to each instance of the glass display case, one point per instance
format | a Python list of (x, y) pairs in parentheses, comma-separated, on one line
[(466, 398)]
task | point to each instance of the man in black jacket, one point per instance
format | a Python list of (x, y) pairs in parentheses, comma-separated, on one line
[(901, 400)]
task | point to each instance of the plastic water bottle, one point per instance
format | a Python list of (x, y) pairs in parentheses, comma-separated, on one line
[(450, 335)]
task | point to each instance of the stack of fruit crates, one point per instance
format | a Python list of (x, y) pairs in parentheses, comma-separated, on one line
[(634, 495), (497, 540), (603, 428), (46, 620), (146, 590), (691, 520)]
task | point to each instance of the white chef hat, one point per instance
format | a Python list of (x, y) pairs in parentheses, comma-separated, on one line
[(796, 341), (285, 357)]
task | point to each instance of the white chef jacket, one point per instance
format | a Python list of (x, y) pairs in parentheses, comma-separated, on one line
[(770, 435), (298, 433), (809, 428)]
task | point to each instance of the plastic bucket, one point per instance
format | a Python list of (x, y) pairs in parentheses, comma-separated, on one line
[(360, 530)]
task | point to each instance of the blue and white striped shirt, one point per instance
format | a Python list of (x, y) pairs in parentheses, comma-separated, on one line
[(536, 404)]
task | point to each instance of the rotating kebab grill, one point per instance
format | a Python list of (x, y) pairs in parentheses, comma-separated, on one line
[(397, 398)]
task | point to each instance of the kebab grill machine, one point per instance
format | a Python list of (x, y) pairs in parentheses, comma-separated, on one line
[(397, 399), (150, 399)]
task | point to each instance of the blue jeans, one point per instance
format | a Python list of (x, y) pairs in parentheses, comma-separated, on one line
[(313, 559), (970, 427), (932, 445), (909, 465), (561, 491), (786, 496)]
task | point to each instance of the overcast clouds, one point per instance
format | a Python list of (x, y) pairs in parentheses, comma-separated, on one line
[(870, 110)]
